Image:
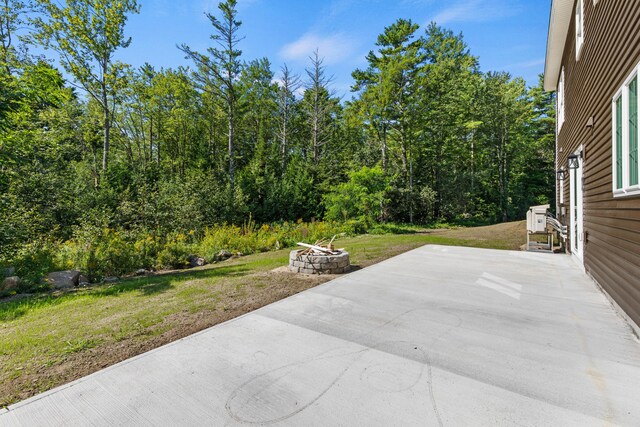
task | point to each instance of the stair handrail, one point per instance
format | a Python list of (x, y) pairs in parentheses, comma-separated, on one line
[(557, 225)]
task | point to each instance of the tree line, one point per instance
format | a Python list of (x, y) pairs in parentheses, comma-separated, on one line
[(88, 142)]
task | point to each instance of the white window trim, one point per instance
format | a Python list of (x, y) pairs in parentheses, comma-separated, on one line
[(626, 190), (560, 101), (579, 35)]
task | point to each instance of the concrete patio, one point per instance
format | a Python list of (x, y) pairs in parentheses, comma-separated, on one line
[(437, 336)]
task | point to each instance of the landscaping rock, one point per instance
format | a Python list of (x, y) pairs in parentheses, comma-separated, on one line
[(196, 261), (141, 272), (63, 279), (223, 255), (83, 281), (10, 283), (111, 279)]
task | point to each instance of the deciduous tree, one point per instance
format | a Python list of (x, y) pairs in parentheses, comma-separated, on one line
[(86, 34)]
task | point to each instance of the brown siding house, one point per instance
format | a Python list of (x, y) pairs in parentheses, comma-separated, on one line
[(593, 64)]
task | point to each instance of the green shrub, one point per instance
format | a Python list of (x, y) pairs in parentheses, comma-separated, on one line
[(363, 197), (101, 251), (32, 262), (250, 238), (147, 247), (175, 253), (108, 252)]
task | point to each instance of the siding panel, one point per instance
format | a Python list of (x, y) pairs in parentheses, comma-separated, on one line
[(611, 50)]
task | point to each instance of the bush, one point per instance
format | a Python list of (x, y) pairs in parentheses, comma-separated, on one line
[(102, 251), (32, 262), (109, 252), (175, 253), (250, 238), (362, 198)]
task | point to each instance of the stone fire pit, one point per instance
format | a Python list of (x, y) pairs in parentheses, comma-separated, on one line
[(319, 263)]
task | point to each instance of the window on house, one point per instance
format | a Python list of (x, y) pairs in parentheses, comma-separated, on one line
[(626, 134), (579, 27), (560, 101)]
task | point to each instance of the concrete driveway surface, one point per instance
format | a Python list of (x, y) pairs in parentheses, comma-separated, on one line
[(439, 336)]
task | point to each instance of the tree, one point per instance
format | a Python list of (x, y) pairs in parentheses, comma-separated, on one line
[(9, 96), (219, 71), (425, 137), (258, 107), (505, 113), (287, 88), (534, 164), (318, 104), (390, 92), (386, 85), (36, 150), (86, 34), (363, 197), (12, 20), (373, 105), (448, 82)]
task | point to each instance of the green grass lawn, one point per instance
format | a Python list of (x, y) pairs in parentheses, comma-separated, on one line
[(48, 340)]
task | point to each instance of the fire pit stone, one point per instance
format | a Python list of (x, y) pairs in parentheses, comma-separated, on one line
[(319, 263)]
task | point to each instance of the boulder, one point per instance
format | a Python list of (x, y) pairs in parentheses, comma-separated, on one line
[(10, 283), (223, 255), (83, 281), (141, 272), (196, 261), (63, 279)]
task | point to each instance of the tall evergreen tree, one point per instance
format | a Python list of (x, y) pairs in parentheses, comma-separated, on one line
[(220, 70)]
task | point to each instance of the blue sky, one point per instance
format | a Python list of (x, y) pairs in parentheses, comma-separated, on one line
[(507, 35)]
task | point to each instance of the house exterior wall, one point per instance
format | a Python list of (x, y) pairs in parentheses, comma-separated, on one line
[(610, 52)]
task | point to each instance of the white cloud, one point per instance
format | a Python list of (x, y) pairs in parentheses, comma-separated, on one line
[(334, 48), (476, 11)]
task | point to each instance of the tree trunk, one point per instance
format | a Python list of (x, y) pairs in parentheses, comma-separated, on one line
[(384, 148), (231, 148), (210, 146), (316, 128), (150, 140), (107, 130), (283, 136), (411, 191)]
